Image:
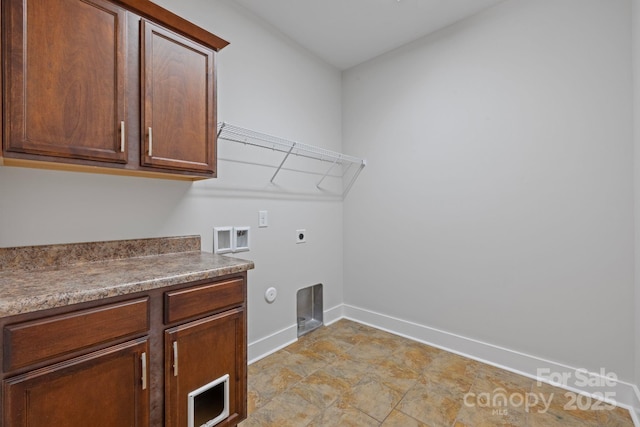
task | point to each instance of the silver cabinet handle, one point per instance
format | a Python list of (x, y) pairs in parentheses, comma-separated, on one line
[(150, 143), (175, 358), (122, 137), (143, 359)]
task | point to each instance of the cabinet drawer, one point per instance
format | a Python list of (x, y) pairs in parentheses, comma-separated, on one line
[(35, 341), (203, 299)]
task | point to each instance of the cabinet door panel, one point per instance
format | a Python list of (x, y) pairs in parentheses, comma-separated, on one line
[(206, 350), (65, 78), (100, 389), (178, 102)]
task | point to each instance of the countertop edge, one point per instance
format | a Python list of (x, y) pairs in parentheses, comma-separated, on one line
[(23, 304)]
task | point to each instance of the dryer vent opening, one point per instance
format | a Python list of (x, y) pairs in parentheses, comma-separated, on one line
[(309, 313)]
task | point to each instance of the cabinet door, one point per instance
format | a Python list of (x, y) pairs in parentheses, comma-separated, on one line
[(178, 116), (64, 70), (103, 389), (200, 352)]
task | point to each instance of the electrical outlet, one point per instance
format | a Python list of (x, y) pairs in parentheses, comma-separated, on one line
[(301, 236)]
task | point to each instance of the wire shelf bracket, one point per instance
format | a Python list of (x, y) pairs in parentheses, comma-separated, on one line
[(232, 133)]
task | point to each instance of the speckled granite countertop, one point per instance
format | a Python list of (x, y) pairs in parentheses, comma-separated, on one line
[(41, 277)]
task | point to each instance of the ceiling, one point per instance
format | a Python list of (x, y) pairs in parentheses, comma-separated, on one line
[(345, 33)]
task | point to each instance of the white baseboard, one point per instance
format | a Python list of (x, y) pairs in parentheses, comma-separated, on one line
[(270, 344), (334, 314), (625, 394), (278, 340)]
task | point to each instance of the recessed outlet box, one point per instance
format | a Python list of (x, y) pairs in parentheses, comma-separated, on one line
[(241, 239), (222, 240), (301, 236)]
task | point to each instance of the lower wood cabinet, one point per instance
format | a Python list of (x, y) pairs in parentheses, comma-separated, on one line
[(200, 356), (105, 388), (147, 359)]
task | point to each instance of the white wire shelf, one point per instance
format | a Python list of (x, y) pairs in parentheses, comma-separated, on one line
[(232, 133)]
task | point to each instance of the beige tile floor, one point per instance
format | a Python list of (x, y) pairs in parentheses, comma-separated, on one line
[(348, 374)]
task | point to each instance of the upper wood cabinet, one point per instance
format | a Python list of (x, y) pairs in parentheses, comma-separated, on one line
[(178, 101), (121, 85), (65, 79)]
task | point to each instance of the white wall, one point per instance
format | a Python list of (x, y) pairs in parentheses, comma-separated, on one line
[(267, 83), (636, 140), (498, 200), (497, 203)]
